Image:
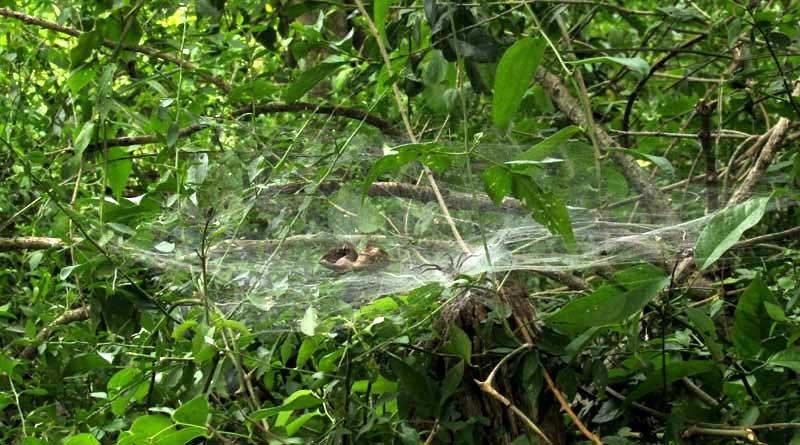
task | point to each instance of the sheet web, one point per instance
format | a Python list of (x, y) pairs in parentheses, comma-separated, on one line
[(264, 250)]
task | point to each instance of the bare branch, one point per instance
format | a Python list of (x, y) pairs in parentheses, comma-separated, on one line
[(776, 136), (71, 316), (29, 243)]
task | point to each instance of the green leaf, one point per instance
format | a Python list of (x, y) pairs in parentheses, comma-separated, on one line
[(452, 381), (307, 349), (788, 358), (301, 399), (725, 228), (82, 439), (308, 79), (436, 69), (415, 387), (83, 138), (546, 147), (150, 426), (403, 154), (118, 170), (514, 73), (546, 208), (80, 78), (294, 426), (308, 324), (253, 91), (675, 371), (380, 11), (704, 325), (183, 436), (609, 304), (173, 132), (497, 182), (636, 64), (194, 412), (459, 343), (751, 324), (87, 43)]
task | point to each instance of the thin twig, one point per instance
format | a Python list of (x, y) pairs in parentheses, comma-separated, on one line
[(565, 406)]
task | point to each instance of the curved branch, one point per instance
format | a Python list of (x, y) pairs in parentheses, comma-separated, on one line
[(146, 50), (656, 66)]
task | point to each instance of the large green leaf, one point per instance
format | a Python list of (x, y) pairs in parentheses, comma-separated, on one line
[(308, 79), (610, 304), (380, 11), (725, 228), (82, 439), (194, 412), (514, 73), (751, 324), (497, 182)]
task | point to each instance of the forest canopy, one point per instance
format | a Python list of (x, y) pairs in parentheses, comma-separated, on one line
[(399, 222)]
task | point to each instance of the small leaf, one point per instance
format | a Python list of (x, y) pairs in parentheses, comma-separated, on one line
[(636, 64), (460, 343), (308, 324), (87, 43), (452, 381), (546, 208), (704, 325), (300, 399), (497, 182), (546, 147), (514, 73), (118, 170), (80, 78), (253, 91), (194, 412), (82, 439), (84, 137), (308, 79), (172, 134), (725, 228), (165, 247)]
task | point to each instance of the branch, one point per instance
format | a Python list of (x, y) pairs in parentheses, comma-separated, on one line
[(79, 314), (249, 111), (704, 110), (29, 243), (421, 193), (766, 238), (653, 198), (352, 113), (152, 52), (776, 136)]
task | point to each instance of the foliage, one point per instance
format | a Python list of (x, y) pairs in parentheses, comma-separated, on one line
[(134, 126)]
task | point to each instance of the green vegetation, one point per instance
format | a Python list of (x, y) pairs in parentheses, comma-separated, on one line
[(399, 222)]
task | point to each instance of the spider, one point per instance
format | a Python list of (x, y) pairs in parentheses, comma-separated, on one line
[(452, 268)]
